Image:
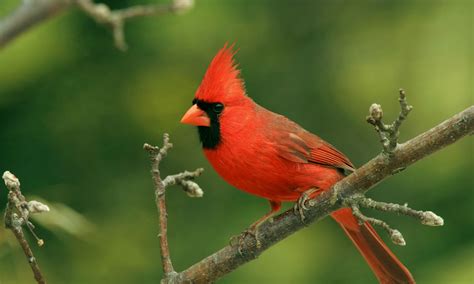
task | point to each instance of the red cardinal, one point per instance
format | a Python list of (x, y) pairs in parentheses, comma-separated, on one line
[(268, 155)]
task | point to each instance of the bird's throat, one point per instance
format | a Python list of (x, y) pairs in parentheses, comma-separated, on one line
[(210, 137)]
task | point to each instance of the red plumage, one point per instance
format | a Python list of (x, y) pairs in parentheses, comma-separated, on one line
[(268, 155)]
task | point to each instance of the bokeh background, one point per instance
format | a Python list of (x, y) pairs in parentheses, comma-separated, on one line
[(75, 113)]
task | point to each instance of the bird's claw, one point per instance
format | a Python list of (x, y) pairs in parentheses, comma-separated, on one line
[(299, 209), (300, 205), (252, 231)]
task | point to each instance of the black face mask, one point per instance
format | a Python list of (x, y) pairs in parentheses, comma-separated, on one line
[(210, 137)]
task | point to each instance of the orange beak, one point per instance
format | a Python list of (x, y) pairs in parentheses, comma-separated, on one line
[(196, 116)]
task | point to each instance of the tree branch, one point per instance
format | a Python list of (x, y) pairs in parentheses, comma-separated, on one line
[(28, 14), (183, 179), (17, 214), (116, 19), (32, 12), (379, 168)]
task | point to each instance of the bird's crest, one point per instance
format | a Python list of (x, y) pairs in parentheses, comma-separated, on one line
[(222, 83)]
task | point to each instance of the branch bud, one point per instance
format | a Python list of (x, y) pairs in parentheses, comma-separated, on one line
[(192, 189), (397, 238), (11, 181), (37, 207), (102, 10), (431, 219), (376, 112)]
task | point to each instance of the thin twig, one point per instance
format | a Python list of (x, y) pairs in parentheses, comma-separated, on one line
[(389, 133), (425, 217), (156, 155), (18, 232), (116, 19), (183, 179), (17, 215), (395, 235)]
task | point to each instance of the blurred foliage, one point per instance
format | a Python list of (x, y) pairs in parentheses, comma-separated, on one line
[(75, 113)]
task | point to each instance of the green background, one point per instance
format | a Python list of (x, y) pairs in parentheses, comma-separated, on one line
[(75, 113)]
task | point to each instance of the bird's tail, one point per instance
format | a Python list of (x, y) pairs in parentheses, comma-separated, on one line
[(385, 265)]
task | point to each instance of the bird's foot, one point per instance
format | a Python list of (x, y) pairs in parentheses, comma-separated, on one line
[(239, 240), (300, 205), (253, 229)]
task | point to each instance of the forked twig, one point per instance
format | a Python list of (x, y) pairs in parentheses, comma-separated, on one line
[(185, 180), (389, 133), (17, 214), (425, 217), (116, 19)]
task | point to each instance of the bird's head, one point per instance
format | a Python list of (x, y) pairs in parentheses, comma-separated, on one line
[(220, 91)]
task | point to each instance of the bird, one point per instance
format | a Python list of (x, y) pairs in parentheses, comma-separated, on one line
[(268, 155)]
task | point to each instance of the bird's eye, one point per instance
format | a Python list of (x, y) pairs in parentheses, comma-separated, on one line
[(218, 108)]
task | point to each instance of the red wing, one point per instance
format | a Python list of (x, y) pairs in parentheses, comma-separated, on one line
[(293, 148), (295, 144), (326, 154)]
